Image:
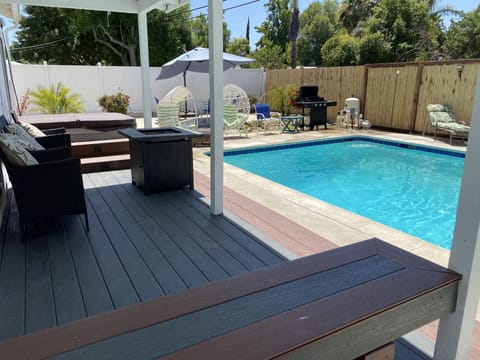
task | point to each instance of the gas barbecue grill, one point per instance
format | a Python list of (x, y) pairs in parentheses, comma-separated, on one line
[(308, 98)]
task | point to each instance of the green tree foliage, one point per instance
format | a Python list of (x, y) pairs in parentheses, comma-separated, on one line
[(275, 29), (238, 46), (352, 13), (199, 29), (317, 25), (408, 26), (44, 31), (373, 49), (270, 57), (463, 37), (70, 36), (169, 35), (340, 50), (55, 100), (294, 27)]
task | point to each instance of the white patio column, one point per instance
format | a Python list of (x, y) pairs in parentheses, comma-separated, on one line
[(145, 68), (455, 331), (215, 41)]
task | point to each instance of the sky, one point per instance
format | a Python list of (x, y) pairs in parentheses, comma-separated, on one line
[(237, 17)]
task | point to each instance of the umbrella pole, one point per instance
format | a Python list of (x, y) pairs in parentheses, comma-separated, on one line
[(185, 85)]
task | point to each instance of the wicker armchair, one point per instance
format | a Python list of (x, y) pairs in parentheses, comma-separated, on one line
[(46, 183), (49, 189)]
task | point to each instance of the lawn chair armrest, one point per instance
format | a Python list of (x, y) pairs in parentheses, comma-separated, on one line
[(54, 154), (54, 131), (55, 140)]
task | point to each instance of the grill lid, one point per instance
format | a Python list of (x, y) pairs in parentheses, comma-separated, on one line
[(309, 91)]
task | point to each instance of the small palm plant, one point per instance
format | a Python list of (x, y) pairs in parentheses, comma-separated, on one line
[(56, 100)]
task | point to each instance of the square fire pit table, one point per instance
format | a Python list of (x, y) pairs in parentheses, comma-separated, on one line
[(161, 158)]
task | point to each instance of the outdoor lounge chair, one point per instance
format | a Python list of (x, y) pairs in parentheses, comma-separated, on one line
[(268, 119), (443, 119)]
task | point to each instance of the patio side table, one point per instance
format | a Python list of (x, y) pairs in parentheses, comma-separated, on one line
[(161, 159), (291, 123)]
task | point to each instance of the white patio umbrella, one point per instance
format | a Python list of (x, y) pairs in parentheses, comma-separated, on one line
[(197, 60)]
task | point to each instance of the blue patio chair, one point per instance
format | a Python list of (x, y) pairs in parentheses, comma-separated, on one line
[(268, 119)]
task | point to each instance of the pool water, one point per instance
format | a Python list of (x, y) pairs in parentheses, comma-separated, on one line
[(404, 188)]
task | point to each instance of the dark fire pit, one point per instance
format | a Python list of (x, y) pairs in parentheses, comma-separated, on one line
[(161, 158)]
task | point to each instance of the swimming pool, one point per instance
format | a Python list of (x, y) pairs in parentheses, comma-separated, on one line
[(409, 187)]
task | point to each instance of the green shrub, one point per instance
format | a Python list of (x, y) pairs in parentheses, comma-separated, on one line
[(282, 99), (55, 100), (117, 102)]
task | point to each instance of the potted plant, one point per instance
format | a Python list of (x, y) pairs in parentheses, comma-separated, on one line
[(117, 102)]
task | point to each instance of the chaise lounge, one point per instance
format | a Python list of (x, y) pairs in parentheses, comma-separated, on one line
[(443, 119)]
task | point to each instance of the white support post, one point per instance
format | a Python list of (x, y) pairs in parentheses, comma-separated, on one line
[(145, 69), (46, 77), (101, 83), (455, 331), (215, 41)]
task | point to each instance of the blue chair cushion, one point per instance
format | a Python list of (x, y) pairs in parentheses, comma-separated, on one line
[(262, 109)]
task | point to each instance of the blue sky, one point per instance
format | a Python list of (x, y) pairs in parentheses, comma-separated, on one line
[(237, 18)]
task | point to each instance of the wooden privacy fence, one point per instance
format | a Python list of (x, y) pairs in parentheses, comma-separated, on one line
[(392, 96)]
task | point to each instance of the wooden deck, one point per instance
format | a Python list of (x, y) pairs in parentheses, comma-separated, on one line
[(139, 248)]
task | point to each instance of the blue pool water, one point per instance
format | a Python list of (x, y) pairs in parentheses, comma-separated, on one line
[(411, 188)]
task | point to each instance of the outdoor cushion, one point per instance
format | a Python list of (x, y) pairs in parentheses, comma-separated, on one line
[(167, 114), (442, 117), (27, 140), (435, 107), (32, 129), (454, 126), (14, 152)]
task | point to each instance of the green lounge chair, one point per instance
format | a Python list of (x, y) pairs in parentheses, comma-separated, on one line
[(443, 119)]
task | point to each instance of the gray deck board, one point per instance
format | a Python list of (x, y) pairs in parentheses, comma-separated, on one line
[(139, 248)]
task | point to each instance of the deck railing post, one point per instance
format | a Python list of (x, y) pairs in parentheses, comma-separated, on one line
[(455, 330)]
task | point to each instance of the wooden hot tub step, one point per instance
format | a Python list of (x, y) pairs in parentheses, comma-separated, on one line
[(105, 163)]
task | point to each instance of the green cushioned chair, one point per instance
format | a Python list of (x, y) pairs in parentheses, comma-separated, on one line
[(443, 119)]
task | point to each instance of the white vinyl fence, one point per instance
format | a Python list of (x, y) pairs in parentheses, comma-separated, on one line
[(91, 82)]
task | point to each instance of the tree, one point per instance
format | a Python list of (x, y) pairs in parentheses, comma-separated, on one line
[(462, 39), (317, 25), (373, 49), (169, 35), (44, 30), (409, 27), (270, 57), (354, 12), (117, 32), (199, 28), (340, 50), (294, 26), (238, 46), (89, 37), (275, 28)]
